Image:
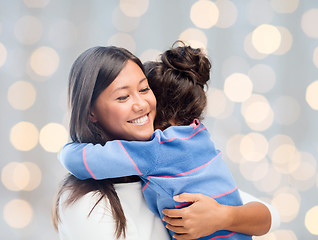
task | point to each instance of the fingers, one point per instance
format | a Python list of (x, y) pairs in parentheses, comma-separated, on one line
[(177, 222), (173, 213), (187, 197)]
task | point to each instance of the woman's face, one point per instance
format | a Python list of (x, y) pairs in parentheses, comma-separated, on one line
[(126, 109)]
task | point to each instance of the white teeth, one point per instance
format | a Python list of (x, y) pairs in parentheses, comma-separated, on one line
[(140, 120)]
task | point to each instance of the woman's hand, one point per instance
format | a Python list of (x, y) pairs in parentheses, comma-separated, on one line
[(204, 217)]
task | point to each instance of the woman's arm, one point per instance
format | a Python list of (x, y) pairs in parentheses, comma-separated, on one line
[(275, 218), (206, 216)]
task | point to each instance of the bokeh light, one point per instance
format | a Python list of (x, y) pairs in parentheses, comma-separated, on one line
[(286, 158), (53, 136), (18, 213), (227, 13), (21, 95), (134, 8), (35, 176), (286, 41), (311, 220), (3, 54), (266, 39), (308, 23), (238, 87), (312, 95), (219, 105), (278, 235), (24, 136), (270, 181), (284, 6), (307, 168), (204, 14), (250, 49), (194, 37), (15, 176), (287, 202), (254, 171), (28, 30), (44, 61), (254, 147), (257, 112), (233, 150), (150, 55)]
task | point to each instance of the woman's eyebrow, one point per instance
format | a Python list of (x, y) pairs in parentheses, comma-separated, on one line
[(125, 87), (142, 80)]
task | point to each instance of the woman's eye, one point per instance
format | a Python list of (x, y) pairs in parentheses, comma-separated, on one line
[(122, 98), (145, 89)]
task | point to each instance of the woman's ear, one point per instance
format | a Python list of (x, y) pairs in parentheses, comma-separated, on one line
[(92, 116)]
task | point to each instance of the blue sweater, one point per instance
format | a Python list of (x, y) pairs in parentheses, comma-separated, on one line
[(177, 160)]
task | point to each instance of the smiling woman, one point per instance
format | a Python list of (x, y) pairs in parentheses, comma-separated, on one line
[(127, 108), (109, 98)]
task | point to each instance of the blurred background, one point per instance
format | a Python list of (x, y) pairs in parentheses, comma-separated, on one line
[(263, 97)]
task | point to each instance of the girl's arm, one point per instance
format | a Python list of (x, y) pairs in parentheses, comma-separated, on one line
[(114, 159), (206, 216)]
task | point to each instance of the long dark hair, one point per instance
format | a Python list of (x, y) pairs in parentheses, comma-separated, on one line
[(178, 81), (92, 72)]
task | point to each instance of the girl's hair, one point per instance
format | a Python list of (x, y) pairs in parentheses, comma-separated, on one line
[(178, 82), (92, 72)]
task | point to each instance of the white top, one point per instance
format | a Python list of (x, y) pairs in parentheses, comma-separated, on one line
[(142, 224)]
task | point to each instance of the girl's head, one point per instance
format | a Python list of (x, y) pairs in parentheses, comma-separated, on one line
[(109, 97), (178, 82)]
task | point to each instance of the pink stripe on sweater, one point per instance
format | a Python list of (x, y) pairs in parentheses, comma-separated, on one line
[(86, 166), (184, 173), (226, 193), (228, 235), (170, 140), (193, 170), (129, 157), (216, 196)]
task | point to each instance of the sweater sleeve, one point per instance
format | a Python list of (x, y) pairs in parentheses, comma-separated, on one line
[(114, 159)]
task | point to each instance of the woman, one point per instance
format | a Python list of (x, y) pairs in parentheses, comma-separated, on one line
[(110, 99)]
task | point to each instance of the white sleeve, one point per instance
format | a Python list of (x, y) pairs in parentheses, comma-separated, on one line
[(75, 223), (246, 198)]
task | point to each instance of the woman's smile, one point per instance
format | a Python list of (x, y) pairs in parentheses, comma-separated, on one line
[(141, 120)]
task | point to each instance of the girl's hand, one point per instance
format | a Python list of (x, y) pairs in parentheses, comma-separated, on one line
[(206, 216), (203, 217)]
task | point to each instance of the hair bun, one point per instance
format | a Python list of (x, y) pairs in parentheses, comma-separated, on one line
[(189, 62)]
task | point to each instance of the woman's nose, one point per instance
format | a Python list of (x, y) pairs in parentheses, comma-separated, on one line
[(139, 104)]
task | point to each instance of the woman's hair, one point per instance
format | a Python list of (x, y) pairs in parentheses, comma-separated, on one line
[(92, 72), (178, 82)]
